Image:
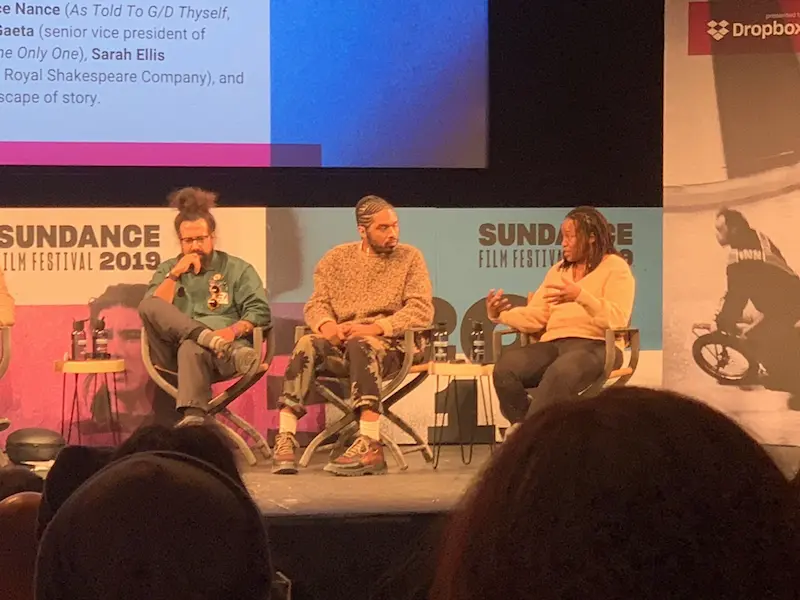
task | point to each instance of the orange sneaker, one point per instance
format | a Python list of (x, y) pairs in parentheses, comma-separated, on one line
[(363, 457)]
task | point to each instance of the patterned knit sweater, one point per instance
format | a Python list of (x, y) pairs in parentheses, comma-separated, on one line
[(393, 290)]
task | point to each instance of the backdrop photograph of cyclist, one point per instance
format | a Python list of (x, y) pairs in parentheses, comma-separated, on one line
[(732, 315)]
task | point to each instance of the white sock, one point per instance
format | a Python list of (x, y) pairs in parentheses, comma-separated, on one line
[(371, 429), (288, 422)]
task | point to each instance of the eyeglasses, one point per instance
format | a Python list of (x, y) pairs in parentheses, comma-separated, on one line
[(213, 301), (191, 240)]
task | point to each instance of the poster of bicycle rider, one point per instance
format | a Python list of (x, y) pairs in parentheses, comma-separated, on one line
[(732, 211)]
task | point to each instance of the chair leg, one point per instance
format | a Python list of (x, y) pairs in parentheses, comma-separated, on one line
[(260, 442), (324, 435), (395, 450), (421, 444), (237, 439)]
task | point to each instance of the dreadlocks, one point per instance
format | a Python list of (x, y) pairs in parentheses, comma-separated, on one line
[(590, 222)]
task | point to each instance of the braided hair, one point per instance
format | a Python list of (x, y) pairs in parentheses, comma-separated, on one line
[(590, 222), (368, 207)]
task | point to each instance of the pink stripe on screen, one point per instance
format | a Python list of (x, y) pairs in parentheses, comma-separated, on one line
[(103, 154)]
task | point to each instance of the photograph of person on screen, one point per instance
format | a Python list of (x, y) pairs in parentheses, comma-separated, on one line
[(118, 306)]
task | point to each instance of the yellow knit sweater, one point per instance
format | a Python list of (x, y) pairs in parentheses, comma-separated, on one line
[(605, 302)]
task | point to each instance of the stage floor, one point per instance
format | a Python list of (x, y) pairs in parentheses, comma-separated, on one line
[(419, 490), (314, 492)]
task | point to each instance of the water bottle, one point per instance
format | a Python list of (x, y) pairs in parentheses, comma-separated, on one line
[(78, 340), (100, 340), (440, 343), (478, 349)]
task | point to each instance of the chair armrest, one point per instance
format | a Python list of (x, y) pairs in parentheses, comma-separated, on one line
[(632, 341), (262, 335), (300, 331), (497, 340), (409, 351), (5, 342)]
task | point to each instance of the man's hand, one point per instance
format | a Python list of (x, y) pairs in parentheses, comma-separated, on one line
[(496, 303), (188, 262), (351, 330), (332, 332), (560, 293)]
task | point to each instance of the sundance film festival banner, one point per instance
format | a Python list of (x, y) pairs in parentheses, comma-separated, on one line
[(732, 139), (56, 261), (60, 262), (468, 252)]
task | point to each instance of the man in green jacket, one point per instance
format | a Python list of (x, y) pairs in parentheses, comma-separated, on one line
[(201, 308)]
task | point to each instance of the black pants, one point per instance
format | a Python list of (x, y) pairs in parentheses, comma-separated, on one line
[(197, 367), (777, 344), (558, 370)]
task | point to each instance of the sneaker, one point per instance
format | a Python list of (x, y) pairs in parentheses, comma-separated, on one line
[(363, 457), (284, 461), (245, 359)]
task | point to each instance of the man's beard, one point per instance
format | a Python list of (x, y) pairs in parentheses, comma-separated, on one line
[(375, 248), (205, 258)]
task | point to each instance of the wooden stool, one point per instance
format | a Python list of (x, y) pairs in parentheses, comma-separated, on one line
[(97, 367)]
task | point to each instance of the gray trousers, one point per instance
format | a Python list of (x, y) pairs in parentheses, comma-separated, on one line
[(167, 330)]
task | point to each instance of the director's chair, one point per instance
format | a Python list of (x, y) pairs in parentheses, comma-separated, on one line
[(219, 405), (614, 374), (392, 391)]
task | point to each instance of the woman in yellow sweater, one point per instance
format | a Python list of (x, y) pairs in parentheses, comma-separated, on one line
[(590, 290)]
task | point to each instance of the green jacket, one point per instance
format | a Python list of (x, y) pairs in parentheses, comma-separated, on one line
[(240, 293)]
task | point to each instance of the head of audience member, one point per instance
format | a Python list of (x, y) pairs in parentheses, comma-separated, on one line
[(205, 442), (156, 526), (731, 226), (586, 238), (18, 545), (72, 467), (118, 306), (194, 223), (14, 480), (635, 493), (378, 225)]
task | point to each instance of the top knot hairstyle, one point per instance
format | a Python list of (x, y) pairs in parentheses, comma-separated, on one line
[(590, 222), (368, 207), (193, 203)]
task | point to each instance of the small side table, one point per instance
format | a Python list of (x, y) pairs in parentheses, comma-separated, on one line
[(98, 368), (481, 374)]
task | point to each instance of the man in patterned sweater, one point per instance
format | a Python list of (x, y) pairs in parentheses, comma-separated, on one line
[(366, 294)]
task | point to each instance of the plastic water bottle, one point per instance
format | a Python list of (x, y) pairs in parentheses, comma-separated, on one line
[(440, 343), (100, 340), (78, 340), (478, 349)]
